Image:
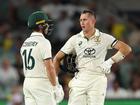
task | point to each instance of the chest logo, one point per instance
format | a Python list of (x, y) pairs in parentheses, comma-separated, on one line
[(89, 51)]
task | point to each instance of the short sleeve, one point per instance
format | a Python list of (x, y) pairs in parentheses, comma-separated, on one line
[(68, 48), (45, 49), (111, 41)]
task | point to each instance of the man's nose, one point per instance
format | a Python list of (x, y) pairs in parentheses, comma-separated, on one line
[(82, 22)]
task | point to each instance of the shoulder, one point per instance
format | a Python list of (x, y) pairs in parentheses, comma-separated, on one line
[(106, 36), (44, 41)]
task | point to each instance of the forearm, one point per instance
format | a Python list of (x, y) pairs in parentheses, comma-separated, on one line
[(50, 71), (56, 65), (52, 76), (57, 61), (123, 51)]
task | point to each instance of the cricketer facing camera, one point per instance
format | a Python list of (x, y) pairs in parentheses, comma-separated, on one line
[(88, 87), (41, 86)]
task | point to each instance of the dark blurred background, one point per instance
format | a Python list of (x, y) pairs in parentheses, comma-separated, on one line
[(120, 18)]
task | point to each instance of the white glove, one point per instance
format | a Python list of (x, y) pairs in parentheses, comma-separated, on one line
[(58, 93), (106, 66)]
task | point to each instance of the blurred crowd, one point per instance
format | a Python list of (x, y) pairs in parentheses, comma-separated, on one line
[(123, 81)]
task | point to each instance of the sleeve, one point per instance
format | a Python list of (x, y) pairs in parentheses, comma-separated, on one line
[(68, 48), (46, 50), (111, 41)]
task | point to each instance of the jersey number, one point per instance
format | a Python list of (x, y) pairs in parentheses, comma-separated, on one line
[(29, 60)]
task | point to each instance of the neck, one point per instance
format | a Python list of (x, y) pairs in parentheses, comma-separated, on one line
[(40, 31), (89, 34)]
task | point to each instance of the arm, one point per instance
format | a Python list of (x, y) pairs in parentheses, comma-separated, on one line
[(123, 50), (50, 71), (68, 48), (59, 94), (57, 60)]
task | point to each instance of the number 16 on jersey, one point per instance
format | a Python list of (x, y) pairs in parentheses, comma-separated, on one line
[(29, 60)]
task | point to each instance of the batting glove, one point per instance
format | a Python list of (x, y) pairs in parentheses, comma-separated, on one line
[(58, 93), (106, 66)]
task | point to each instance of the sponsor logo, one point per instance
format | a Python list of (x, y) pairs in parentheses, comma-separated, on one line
[(89, 52)]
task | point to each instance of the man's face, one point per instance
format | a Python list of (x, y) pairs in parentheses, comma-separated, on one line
[(87, 22)]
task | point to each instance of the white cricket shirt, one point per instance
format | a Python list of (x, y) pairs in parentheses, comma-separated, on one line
[(34, 50), (90, 52)]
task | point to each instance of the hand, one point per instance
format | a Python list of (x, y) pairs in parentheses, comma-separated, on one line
[(58, 93), (106, 66)]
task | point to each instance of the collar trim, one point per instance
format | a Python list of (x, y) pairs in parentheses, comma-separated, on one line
[(97, 34), (36, 34)]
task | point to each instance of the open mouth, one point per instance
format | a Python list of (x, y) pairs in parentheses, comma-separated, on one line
[(83, 27)]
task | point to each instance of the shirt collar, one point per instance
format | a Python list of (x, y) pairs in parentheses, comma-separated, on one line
[(36, 34), (97, 33)]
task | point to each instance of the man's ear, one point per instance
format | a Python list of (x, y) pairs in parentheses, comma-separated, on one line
[(40, 26)]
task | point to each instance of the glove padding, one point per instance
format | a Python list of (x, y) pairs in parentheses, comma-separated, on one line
[(106, 66), (58, 93)]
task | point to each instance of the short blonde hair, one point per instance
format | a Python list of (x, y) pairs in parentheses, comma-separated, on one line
[(89, 12)]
